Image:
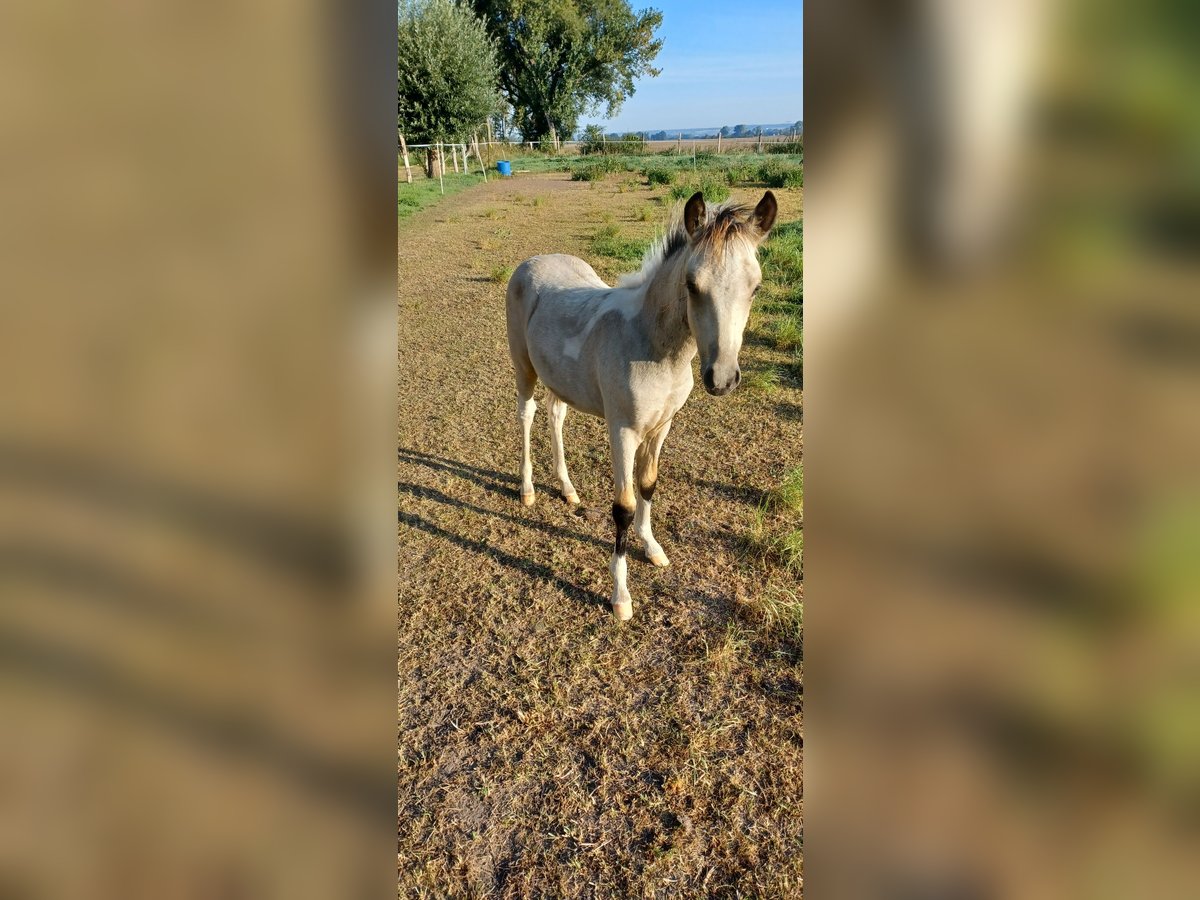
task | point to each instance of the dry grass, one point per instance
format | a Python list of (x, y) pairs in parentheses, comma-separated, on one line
[(545, 751)]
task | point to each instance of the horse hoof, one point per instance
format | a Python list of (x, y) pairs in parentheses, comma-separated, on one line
[(622, 610), (572, 498), (659, 559), (527, 499)]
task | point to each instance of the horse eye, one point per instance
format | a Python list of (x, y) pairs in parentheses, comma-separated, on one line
[(691, 286), (755, 291)]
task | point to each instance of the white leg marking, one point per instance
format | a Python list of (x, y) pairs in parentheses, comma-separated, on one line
[(622, 603), (641, 527)]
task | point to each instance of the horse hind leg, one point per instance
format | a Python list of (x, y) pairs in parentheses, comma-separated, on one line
[(526, 410), (557, 409)]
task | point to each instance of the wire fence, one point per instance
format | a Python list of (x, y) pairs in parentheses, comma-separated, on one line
[(487, 152)]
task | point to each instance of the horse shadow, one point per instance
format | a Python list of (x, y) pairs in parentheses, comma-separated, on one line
[(505, 486), (517, 563)]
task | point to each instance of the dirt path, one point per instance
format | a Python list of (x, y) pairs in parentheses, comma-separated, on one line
[(543, 749)]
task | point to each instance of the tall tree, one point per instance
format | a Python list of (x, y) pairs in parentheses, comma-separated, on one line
[(446, 72), (561, 59)]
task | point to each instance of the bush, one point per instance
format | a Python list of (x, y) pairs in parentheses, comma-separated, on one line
[(594, 142), (790, 147), (714, 191), (778, 174), (739, 174), (658, 176), (588, 173)]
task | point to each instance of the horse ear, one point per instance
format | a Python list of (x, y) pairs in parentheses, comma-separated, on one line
[(693, 214), (764, 214)]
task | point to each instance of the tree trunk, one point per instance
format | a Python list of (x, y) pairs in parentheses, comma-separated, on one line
[(407, 168), (433, 163)]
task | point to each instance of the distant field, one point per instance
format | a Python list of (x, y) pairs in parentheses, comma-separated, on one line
[(544, 750), (667, 168)]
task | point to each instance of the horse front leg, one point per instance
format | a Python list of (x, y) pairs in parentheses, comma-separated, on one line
[(624, 443), (647, 480)]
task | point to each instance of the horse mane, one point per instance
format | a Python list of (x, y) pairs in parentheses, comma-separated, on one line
[(728, 220)]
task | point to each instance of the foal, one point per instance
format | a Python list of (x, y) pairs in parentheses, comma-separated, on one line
[(625, 353)]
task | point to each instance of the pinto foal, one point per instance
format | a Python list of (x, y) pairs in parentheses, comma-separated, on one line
[(625, 353)]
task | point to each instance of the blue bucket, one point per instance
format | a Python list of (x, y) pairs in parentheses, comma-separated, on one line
[(504, 167)]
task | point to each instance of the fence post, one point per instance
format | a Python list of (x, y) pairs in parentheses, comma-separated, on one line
[(441, 168), (679, 144), (760, 141), (718, 143), (479, 156), (404, 151)]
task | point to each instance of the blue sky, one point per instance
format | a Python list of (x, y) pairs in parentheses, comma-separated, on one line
[(723, 63)]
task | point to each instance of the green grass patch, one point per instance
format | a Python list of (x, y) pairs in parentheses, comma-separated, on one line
[(790, 493), (501, 274), (425, 192), (659, 176), (765, 381), (608, 241), (775, 537), (787, 333), (782, 260)]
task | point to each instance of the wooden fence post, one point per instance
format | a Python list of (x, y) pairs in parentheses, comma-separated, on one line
[(679, 144), (479, 156), (718, 143), (404, 151), (441, 168)]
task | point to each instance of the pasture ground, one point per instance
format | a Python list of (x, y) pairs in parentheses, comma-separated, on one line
[(543, 749)]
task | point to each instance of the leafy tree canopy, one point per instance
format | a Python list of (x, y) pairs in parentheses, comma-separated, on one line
[(446, 74), (561, 59)]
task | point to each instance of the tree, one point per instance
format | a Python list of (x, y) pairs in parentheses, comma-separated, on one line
[(725, 131), (446, 73), (562, 59), (739, 130)]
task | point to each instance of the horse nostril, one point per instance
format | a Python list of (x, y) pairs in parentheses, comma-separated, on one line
[(707, 375), (737, 377)]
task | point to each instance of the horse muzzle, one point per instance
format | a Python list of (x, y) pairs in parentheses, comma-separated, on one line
[(725, 386)]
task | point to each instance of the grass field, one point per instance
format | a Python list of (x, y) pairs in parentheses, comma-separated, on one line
[(544, 750)]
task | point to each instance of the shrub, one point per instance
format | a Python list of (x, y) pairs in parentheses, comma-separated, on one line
[(778, 174), (792, 148), (587, 173), (659, 176), (501, 274), (714, 191)]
